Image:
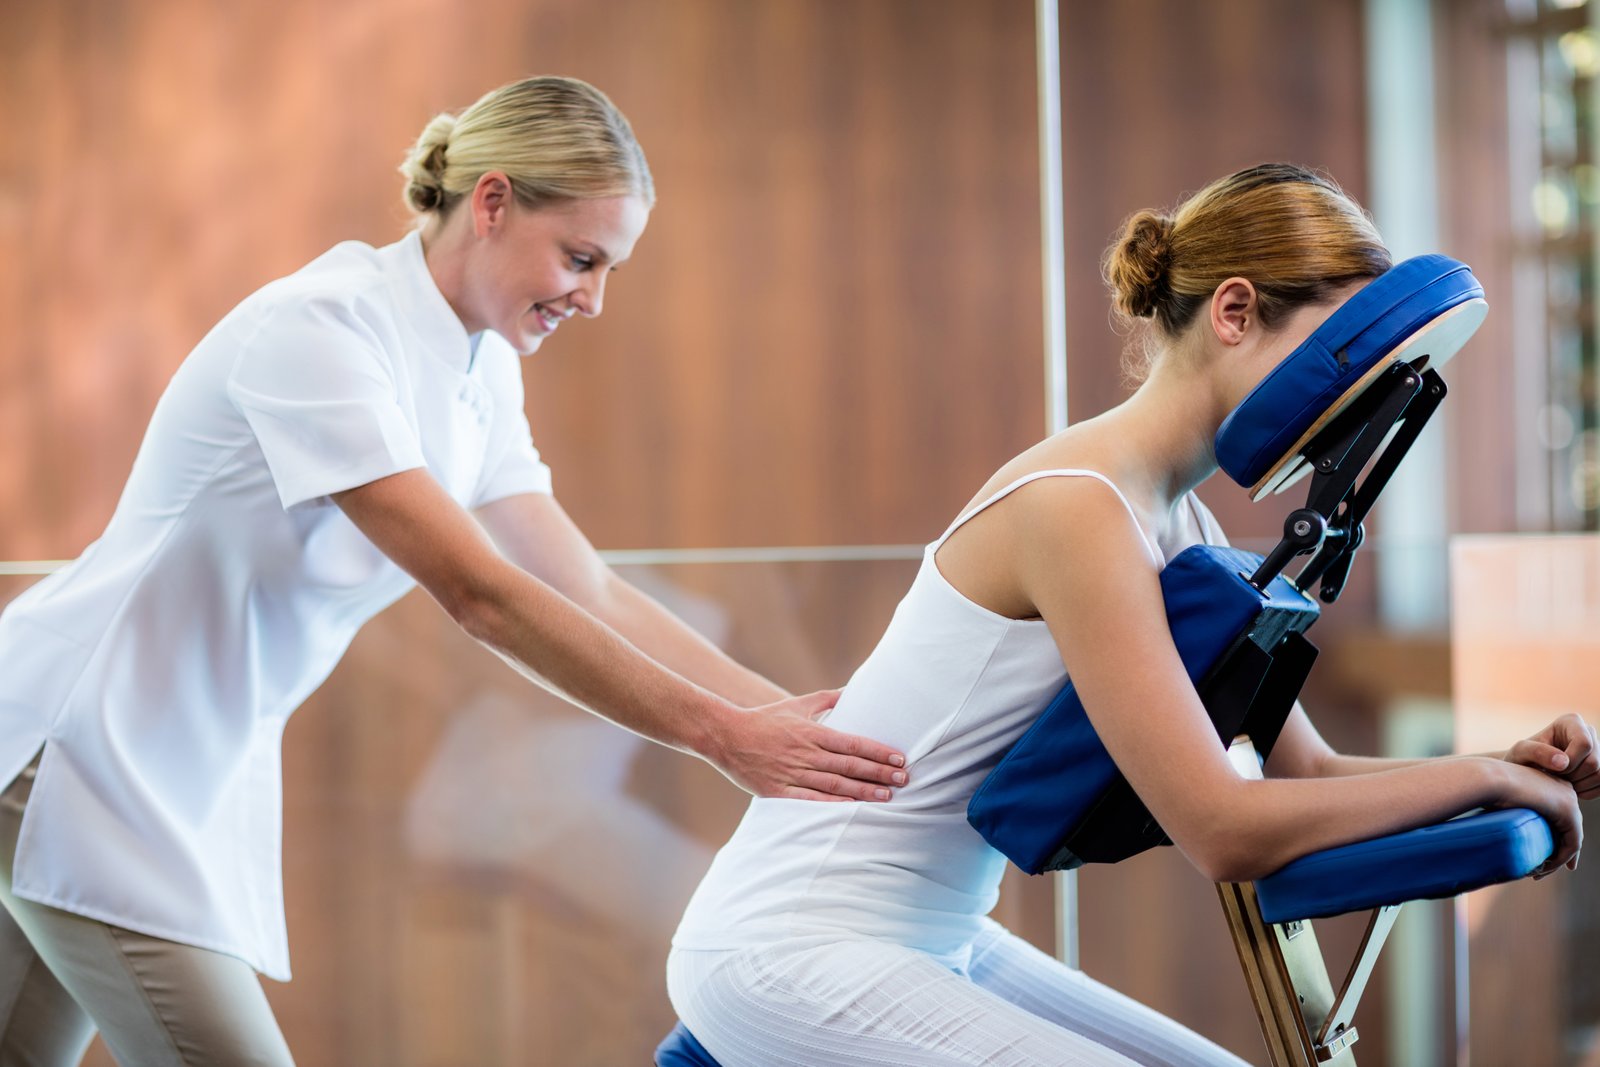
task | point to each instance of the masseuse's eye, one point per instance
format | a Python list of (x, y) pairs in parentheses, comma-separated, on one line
[(580, 262)]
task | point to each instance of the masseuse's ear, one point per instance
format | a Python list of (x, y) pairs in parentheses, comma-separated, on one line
[(491, 202), (1233, 310)]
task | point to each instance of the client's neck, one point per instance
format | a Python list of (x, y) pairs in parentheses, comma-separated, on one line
[(1170, 423)]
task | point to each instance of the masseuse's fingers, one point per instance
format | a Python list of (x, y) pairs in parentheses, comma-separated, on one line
[(783, 753), (853, 757)]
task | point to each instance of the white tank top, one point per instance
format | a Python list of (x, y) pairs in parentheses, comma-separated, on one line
[(952, 685)]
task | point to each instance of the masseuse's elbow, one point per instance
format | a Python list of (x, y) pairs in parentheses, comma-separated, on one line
[(473, 603)]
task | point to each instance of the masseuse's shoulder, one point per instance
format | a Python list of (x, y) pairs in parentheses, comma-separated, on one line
[(347, 279), (333, 319), (337, 314)]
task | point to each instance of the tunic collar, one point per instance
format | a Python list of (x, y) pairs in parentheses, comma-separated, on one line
[(424, 306)]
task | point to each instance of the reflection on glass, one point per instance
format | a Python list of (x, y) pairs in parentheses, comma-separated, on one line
[(478, 872)]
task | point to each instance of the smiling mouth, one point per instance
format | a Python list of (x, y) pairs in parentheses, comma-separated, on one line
[(549, 319)]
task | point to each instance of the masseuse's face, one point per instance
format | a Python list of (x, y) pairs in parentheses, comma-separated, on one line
[(536, 268)]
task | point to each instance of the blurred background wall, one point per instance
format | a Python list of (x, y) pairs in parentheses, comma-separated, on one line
[(828, 338)]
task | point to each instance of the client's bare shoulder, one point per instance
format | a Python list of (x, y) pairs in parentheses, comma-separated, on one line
[(981, 558)]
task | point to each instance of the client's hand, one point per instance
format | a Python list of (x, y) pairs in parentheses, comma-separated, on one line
[(779, 751), (1567, 749), (1556, 802)]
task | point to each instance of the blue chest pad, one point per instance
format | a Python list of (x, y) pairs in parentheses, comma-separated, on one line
[(1056, 799)]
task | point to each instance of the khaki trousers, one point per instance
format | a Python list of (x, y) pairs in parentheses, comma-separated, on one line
[(156, 1003)]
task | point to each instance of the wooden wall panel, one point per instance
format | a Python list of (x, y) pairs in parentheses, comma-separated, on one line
[(1159, 97), (829, 334), (1476, 226)]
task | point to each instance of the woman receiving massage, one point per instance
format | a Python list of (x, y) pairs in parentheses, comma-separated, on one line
[(859, 934)]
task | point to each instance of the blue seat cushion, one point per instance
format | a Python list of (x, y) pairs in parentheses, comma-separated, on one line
[(1424, 864), (680, 1049), (1056, 773), (1309, 384)]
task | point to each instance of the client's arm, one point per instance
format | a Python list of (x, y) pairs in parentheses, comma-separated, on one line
[(1077, 557), (1566, 749)]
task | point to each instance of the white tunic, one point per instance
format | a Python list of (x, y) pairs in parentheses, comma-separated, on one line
[(157, 670), (952, 685)]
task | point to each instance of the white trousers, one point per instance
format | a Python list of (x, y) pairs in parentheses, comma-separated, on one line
[(864, 1003)]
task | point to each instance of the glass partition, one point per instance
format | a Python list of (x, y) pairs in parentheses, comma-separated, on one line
[(479, 873)]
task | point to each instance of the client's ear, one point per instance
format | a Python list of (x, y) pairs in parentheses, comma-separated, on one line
[(1233, 310)]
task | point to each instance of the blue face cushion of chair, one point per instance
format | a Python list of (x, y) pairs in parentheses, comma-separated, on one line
[(1310, 383)]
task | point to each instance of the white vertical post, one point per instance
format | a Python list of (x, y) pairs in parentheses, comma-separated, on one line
[(1052, 233), (1413, 516), (1053, 226)]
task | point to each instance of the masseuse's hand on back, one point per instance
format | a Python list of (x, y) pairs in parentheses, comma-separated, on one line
[(781, 752), (776, 750)]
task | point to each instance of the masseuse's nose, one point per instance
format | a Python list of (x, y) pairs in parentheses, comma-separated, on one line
[(589, 296)]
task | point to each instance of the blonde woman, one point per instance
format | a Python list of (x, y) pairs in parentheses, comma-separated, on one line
[(345, 433), (861, 936)]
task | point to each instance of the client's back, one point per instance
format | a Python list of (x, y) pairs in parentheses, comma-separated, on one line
[(953, 685)]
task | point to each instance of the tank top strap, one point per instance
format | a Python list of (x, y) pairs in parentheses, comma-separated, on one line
[(1064, 472)]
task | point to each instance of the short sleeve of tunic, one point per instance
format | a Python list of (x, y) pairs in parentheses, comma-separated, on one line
[(512, 465), (320, 394)]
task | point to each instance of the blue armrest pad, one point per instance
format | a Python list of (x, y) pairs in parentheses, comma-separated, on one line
[(680, 1049), (1351, 342), (1425, 864), (1052, 776)]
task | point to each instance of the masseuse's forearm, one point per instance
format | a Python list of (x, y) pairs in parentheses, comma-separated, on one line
[(569, 651), (668, 640)]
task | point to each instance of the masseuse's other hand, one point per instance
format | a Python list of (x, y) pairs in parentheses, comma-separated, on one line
[(1567, 749), (781, 751)]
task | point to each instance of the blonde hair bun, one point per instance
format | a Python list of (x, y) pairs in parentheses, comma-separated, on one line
[(554, 138), (424, 166)]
